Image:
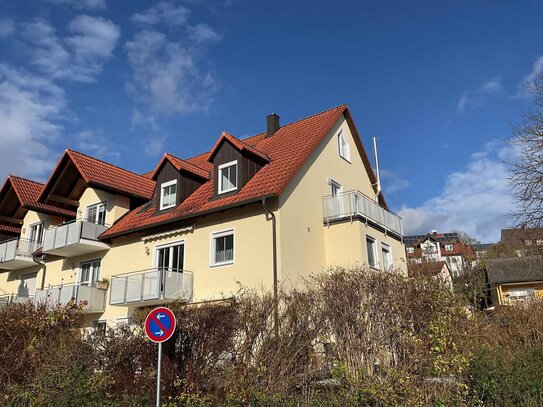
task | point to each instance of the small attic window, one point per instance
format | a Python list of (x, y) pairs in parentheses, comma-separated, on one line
[(448, 247), (228, 177), (168, 194), (343, 147)]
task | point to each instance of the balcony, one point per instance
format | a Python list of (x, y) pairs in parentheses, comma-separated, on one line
[(91, 298), (150, 287), (356, 204), (16, 253), (6, 299), (75, 238)]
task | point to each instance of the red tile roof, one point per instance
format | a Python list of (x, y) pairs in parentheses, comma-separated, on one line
[(10, 229), (429, 268), (28, 192), (287, 150), (180, 164), (239, 144)]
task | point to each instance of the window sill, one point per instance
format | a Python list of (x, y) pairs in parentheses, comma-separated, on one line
[(224, 263)]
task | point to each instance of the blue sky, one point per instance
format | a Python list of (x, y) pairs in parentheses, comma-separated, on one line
[(439, 83)]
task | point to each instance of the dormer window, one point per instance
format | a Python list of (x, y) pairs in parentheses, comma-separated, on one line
[(448, 247), (97, 213), (343, 147), (228, 177), (168, 194)]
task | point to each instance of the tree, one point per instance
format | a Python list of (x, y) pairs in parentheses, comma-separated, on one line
[(526, 171)]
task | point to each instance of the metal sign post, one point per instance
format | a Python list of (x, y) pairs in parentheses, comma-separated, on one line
[(159, 327)]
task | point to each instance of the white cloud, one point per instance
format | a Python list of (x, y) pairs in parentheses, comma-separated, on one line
[(31, 109), (7, 27), (476, 200), (79, 57), (167, 76), (472, 99), (82, 4), (392, 182), (203, 34), (95, 143), (163, 12), (154, 145), (525, 87)]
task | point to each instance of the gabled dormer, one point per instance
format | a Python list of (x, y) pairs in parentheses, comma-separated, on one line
[(234, 163), (176, 179)]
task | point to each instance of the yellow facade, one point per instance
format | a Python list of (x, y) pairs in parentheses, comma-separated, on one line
[(305, 244)]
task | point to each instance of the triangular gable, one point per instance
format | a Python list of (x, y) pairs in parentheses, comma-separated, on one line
[(239, 145), (180, 165)]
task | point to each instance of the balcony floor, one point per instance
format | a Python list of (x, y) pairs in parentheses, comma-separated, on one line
[(81, 248), (20, 262)]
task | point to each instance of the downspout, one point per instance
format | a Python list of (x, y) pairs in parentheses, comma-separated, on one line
[(42, 264), (274, 254)]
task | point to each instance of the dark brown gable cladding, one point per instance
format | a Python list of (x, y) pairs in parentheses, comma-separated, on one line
[(247, 166), (187, 183)]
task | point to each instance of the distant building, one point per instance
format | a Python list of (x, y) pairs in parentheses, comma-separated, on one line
[(435, 269), (522, 241), (434, 247), (514, 280), (481, 250)]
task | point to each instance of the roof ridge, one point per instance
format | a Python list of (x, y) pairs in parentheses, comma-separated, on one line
[(105, 162)]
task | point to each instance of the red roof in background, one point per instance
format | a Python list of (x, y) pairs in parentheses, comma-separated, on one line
[(459, 249), (180, 164), (432, 268), (286, 150), (239, 144), (28, 192)]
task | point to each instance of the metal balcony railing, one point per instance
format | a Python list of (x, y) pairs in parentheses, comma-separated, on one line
[(151, 285), (355, 203), (71, 233), (13, 248), (91, 298), (6, 299)]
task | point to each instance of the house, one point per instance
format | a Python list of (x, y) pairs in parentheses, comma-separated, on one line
[(483, 250), (438, 270), (263, 211), (514, 280), (522, 241), (434, 247)]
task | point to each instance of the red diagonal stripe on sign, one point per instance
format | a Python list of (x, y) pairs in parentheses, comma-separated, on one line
[(157, 321)]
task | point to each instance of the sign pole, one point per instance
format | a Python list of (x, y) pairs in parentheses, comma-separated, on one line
[(158, 374)]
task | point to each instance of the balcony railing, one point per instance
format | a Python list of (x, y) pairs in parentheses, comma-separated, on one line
[(74, 238), (90, 298), (17, 253), (354, 203), (148, 286), (6, 299)]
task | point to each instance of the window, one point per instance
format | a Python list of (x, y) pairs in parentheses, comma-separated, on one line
[(90, 272), (99, 327), (168, 194), (228, 177), (97, 213), (35, 232), (343, 147), (410, 250), (222, 248), (370, 245), (539, 242), (335, 187), (170, 257), (528, 242), (448, 247), (387, 256)]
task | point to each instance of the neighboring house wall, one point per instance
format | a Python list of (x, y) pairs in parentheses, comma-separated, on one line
[(513, 294)]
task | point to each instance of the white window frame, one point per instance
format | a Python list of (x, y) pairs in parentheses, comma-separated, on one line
[(33, 225), (157, 247), (385, 246), (344, 148), (93, 278), (539, 242), (221, 167), (212, 247), (88, 207), (163, 186), (528, 242), (374, 250), (449, 247), (333, 183), (410, 250)]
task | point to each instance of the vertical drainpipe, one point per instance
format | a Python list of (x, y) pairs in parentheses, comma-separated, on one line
[(42, 264), (274, 254)]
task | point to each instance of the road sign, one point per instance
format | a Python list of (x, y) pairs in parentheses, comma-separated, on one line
[(160, 324)]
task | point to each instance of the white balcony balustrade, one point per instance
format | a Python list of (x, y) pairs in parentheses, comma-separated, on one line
[(90, 298), (150, 287), (75, 238), (17, 253), (354, 203), (6, 299)]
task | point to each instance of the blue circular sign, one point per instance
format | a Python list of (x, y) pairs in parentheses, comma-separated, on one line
[(160, 324)]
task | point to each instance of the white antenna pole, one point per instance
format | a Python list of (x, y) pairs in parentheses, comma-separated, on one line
[(377, 166)]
